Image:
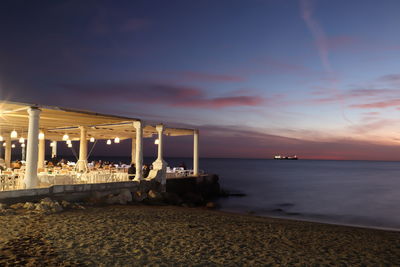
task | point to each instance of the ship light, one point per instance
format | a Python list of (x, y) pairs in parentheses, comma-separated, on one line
[(23, 145), (65, 137), (1, 138), (91, 139), (13, 146), (116, 140), (108, 142), (157, 141), (22, 140)]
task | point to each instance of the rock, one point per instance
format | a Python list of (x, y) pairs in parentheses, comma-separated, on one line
[(29, 206), (172, 198), (211, 205), (125, 196), (46, 201), (65, 204), (111, 199), (56, 207), (194, 198), (154, 195), (41, 208), (17, 206), (139, 196), (77, 206)]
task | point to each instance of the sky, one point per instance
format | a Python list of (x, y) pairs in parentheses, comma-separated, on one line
[(315, 78)]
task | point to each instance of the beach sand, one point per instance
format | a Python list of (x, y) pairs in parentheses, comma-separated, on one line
[(164, 235)]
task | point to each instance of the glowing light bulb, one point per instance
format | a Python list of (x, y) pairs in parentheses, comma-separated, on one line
[(13, 146), (1, 138), (51, 144), (108, 142), (41, 136), (23, 145), (14, 134), (69, 142), (4, 144), (22, 140), (91, 139), (69, 145), (156, 142), (65, 137), (116, 140)]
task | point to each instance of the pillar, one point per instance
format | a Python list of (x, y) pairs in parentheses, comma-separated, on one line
[(160, 164), (54, 149), (31, 179), (7, 153), (42, 152), (139, 150), (133, 153), (82, 163), (196, 153)]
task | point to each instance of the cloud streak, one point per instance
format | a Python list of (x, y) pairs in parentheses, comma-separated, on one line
[(165, 94), (321, 41)]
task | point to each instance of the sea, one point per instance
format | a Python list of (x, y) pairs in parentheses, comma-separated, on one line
[(357, 193)]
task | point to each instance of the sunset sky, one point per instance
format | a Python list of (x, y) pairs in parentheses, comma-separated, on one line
[(320, 79)]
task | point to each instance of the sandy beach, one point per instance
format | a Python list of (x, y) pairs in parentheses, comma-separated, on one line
[(166, 235)]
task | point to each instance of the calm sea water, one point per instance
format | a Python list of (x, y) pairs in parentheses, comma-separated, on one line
[(364, 193)]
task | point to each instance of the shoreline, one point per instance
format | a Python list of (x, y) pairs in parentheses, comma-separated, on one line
[(118, 235), (310, 220)]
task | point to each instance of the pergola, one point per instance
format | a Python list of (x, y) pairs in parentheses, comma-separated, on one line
[(37, 123)]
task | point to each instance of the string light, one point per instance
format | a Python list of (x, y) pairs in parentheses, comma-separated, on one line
[(116, 140), (70, 145), (23, 145), (41, 136), (108, 142), (1, 138), (4, 144), (22, 140), (13, 146), (68, 142), (156, 142), (91, 139), (14, 134), (65, 137)]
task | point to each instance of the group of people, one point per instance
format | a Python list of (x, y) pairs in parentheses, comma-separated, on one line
[(132, 170)]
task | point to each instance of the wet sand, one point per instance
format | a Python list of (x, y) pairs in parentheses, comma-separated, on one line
[(173, 236)]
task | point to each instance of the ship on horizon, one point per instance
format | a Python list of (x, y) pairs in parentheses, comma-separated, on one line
[(280, 157)]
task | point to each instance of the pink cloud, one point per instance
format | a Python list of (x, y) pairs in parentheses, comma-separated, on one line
[(223, 102), (165, 94), (193, 76), (380, 104)]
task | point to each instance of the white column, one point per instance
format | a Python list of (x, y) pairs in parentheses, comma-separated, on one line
[(7, 153), (139, 150), (160, 164), (54, 149), (83, 150), (196, 152), (42, 152), (31, 179), (133, 153)]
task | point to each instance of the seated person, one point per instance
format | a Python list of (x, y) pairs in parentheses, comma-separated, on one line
[(146, 170), (131, 171)]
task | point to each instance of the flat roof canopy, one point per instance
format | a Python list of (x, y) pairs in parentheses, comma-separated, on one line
[(57, 121)]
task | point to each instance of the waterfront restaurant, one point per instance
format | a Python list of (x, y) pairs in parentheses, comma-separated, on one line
[(30, 125)]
